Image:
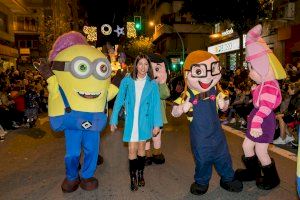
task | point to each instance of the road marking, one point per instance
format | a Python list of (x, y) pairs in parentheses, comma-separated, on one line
[(273, 148)]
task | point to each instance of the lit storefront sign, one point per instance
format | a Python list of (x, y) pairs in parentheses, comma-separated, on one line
[(224, 47), (24, 51), (227, 32)]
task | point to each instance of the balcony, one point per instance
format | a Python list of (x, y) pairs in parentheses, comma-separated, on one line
[(162, 29), (25, 24), (178, 23)]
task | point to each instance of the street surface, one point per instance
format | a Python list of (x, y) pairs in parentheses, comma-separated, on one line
[(32, 167)]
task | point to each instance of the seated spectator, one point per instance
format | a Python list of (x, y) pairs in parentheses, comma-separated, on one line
[(19, 101), (237, 104), (291, 116), (284, 137), (32, 107), (6, 111)]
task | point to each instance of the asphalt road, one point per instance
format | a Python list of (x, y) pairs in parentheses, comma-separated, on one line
[(32, 167)]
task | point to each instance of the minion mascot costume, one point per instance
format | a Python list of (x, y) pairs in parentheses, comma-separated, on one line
[(202, 71), (78, 78), (264, 69), (158, 66)]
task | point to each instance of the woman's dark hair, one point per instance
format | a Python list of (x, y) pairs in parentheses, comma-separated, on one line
[(135, 71)]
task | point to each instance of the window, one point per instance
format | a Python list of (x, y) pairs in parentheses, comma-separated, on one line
[(217, 28), (3, 22)]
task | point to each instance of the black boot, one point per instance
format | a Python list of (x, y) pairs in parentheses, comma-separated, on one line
[(158, 159), (141, 166), (232, 186), (132, 171), (270, 177), (198, 189), (252, 171)]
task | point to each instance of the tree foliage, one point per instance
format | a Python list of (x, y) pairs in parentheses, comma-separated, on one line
[(50, 30), (241, 13), (138, 45)]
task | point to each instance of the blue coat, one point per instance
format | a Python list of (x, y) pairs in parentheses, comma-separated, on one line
[(149, 111)]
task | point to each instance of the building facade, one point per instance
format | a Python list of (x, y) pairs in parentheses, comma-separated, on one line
[(8, 51), (31, 26), (281, 32), (175, 35)]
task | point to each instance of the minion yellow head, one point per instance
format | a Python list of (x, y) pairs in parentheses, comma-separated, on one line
[(82, 71)]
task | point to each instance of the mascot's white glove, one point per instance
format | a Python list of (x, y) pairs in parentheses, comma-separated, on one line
[(177, 111), (186, 106), (223, 102), (182, 108), (256, 132)]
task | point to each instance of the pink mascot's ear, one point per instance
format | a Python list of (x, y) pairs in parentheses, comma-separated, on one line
[(257, 51)]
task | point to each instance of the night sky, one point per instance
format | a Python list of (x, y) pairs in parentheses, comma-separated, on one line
[(114, 13)]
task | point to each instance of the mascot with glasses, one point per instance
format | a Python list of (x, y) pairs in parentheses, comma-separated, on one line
[(78, 78), (201, 101)]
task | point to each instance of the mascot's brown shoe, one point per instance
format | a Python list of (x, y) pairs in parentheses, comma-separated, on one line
[(158, 159), (148, 161), (70, 186), (89, 184)]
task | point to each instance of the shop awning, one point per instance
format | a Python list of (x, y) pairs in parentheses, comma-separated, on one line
[(8, 51)]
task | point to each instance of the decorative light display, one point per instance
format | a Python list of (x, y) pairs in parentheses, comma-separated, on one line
[(106, 29), (131, 31), (91, 32), (119, 31)]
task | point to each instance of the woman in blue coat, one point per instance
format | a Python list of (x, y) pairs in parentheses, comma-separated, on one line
[(140, 95)]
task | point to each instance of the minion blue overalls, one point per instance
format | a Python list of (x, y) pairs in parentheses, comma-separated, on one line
[(208, 141), (81, 130)]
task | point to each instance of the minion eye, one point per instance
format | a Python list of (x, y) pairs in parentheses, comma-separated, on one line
[(103, 69), (81, 68)]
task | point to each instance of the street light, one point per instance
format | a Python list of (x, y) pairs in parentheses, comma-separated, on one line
[(151, 23), (182, 44), (174, 30)]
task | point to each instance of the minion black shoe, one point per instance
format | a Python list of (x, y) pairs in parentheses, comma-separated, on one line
[(198, 189)]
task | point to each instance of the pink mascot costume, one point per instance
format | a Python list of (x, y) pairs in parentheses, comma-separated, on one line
[(264, 69)]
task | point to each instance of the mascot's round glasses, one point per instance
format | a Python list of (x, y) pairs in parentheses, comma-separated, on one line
[(81, 67), (201, 71)]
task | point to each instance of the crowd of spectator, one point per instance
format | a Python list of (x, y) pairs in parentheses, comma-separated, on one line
[(23, 95), (287, 114), (239, 86)]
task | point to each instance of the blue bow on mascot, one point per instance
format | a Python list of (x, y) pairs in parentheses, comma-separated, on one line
[(200, 101), (79, 86)]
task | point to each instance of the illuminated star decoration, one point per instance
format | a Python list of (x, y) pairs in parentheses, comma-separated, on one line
[(119, 31)]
